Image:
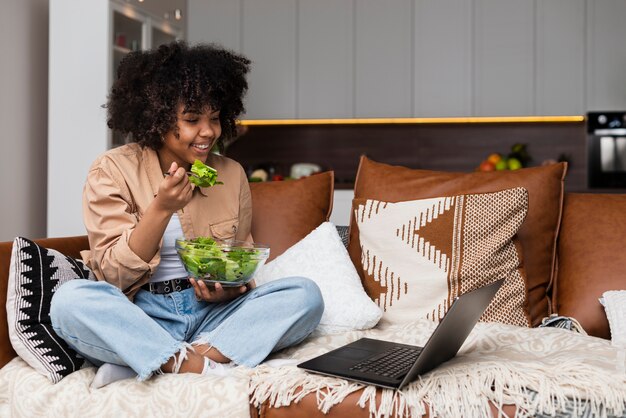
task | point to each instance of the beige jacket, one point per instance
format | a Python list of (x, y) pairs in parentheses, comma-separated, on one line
[(121, 184)]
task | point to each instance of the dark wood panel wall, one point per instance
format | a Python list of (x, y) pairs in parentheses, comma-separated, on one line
[(433, 146)]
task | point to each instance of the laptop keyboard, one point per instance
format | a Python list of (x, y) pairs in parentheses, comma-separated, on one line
[(391, 363)]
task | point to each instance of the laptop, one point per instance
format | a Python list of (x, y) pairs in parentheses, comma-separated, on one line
[(393, 365)]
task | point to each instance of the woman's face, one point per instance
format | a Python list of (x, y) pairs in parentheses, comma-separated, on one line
[(197, 133)]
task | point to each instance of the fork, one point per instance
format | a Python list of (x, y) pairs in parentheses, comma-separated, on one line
[(189, 173)]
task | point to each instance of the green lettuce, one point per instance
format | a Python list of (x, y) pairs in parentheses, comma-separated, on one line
[(204, 258), (202, 175)]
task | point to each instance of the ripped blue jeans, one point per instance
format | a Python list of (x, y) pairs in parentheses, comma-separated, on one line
[(99, 322)]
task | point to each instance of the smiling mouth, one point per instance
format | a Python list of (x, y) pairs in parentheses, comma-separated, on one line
[(202, 147)]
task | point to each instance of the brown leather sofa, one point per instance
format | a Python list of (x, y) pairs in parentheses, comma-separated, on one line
[(590, 255), (591, 260)]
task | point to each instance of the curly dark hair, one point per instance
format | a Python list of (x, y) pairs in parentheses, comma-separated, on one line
[(151, 84)]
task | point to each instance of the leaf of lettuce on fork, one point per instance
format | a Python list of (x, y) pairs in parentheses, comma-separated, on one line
[(203, 175)]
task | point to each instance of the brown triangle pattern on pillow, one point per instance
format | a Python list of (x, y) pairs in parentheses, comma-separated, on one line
[(418, 256), (430, 229)]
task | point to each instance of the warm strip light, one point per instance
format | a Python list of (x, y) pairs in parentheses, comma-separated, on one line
[(364, 121)]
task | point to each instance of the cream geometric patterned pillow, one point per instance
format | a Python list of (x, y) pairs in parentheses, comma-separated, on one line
[(417, 256)]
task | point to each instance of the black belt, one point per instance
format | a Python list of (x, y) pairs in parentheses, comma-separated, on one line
[(167, 286)]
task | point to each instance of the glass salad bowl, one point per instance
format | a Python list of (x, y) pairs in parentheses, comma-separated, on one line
[(229, 262)]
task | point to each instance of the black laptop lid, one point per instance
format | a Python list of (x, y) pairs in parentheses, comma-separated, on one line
[(453, 329)]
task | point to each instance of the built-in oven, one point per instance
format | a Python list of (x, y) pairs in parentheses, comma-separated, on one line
[(606, 150)]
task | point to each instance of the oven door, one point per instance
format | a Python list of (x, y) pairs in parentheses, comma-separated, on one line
[(606, 161)]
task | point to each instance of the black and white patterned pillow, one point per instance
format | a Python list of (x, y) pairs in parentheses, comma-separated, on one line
[(344, 234), (34, 275)]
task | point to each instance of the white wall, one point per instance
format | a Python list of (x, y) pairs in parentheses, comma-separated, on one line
[(422, 58), (23, 117), (78, 86)]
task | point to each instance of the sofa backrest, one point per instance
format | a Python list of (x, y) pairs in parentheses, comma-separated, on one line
[(284, 212), (591, 258), (71, 246)]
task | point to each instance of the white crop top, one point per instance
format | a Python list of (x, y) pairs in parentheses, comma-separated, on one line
[(170, 266)]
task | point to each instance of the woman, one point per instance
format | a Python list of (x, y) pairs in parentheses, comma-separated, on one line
[(175, 104)]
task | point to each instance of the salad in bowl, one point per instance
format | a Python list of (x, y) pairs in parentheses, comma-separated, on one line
[(228, 262)]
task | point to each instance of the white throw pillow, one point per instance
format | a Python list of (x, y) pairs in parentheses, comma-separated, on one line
[(322, 257), (614, 302)]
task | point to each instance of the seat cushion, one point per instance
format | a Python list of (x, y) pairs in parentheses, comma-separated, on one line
[(537, 234)]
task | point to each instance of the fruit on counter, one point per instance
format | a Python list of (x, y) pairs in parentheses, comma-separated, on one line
[(516, 159), (502, 165), (514, 164), (487, 166), (520, 153), (495, 158)]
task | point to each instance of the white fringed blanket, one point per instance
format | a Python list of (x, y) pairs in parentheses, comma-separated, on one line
[(542, 370), (24, 393)]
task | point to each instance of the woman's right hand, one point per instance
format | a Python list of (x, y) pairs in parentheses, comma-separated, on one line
[(174, 193), (175, 190)]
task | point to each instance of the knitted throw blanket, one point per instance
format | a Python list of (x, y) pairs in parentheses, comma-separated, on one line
[(544, 371), (541, 370)]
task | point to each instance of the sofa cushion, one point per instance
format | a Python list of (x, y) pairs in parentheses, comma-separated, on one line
[(591, 258), (35, 273), (284, 212), (419, 255), (537, 235), (322, 257)]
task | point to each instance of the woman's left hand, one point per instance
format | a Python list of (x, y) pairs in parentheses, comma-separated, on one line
[(216, 294)]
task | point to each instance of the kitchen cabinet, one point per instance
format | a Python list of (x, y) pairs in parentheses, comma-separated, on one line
[(269, 40), (503, 58), (423, 58), (132, 30), (325, 87), (560, 54), (373, 57), (442, 58), (606, 55)]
